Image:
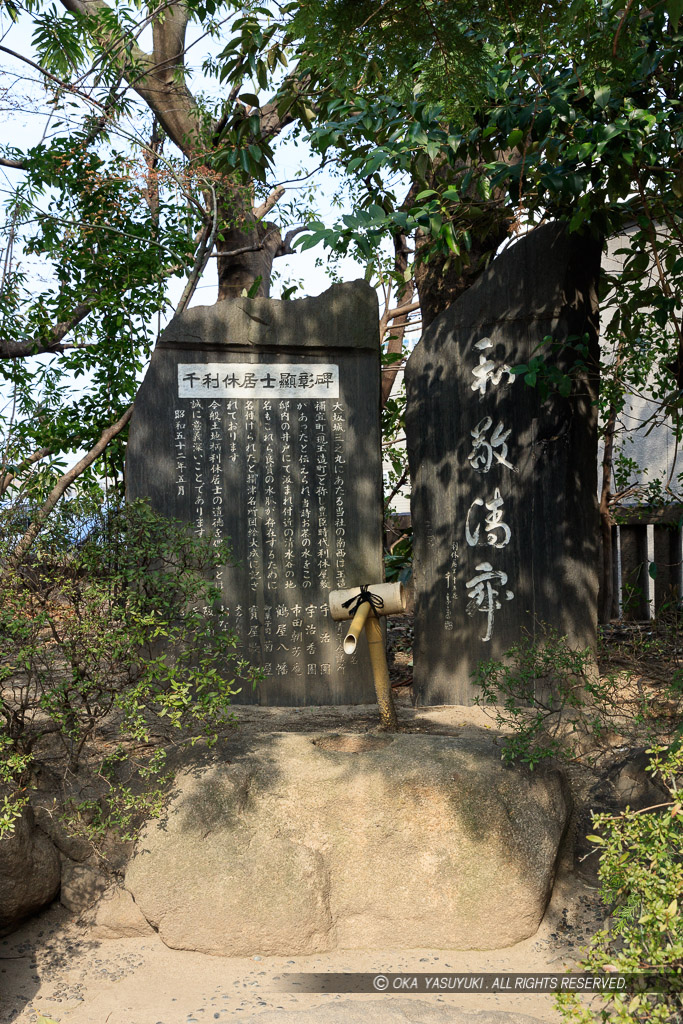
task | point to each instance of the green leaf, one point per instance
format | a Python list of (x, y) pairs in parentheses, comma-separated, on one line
[(674, 9), (602, 96), (652, 570)]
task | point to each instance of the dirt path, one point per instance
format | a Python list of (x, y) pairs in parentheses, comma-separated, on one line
[(74, 980)]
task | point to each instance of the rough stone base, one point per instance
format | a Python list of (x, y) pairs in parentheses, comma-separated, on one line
[(305, 844), (29, 873)]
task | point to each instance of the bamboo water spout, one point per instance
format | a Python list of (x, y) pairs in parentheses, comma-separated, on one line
[(363, 605)]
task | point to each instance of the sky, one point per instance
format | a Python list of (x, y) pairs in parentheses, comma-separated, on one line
[(26, 121)]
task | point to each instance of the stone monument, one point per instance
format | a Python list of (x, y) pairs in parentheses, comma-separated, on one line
[(504, 484), (258, 420)]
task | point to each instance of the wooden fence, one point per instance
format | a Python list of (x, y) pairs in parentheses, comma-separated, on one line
[(648, 561)]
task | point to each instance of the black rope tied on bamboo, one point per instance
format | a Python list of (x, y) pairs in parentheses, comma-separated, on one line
[(374, 600)]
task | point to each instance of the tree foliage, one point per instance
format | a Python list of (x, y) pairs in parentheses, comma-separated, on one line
[(450, 127)]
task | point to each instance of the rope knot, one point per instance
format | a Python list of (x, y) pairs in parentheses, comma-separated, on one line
[(365, 596)]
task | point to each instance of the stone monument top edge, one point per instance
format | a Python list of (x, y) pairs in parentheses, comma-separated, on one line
[(344, 316), (536, 279)]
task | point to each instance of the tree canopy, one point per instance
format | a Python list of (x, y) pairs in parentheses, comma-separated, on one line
[(448, 126)]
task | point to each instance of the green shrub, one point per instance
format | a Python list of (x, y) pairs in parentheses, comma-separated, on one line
[(641, 879), (553, 701), (551, 698), (110, 625)]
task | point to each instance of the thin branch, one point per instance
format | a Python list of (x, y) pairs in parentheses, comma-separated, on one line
[(643, 810), (61, 487), (53, 78), (22, 467), (269, 202), (204, 252), (283, 250), (103, 227), (398, 486), (624, 16)]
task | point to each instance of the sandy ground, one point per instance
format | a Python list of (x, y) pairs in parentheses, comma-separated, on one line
[(52, 967)]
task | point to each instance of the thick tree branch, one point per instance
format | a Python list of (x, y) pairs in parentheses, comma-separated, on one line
[(392, 314), (153, 76), (168, 35), (272, 118), (225, 116), (50, 343), (286, 247), (59, 489), (19, 165), (269, 202)]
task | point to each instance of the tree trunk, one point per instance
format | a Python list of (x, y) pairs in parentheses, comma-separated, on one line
[(257, 245), (246, 246), (441, 279)]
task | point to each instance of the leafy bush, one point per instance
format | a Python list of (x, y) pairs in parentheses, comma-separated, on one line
[(553, 700), (641, 876), (114, 631)]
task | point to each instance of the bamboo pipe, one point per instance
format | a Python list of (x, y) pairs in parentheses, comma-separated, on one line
[(392, 595), (376, 599), (356, 628), (380, 672)]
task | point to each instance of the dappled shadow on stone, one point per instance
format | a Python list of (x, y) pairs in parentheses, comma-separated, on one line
[(301, 842), (505, 520)]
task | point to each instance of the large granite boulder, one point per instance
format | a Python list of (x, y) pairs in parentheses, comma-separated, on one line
[(309, 843), (29, 873)]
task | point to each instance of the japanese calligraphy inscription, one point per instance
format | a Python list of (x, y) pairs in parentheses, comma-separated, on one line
[(258, 420), (504, 506)]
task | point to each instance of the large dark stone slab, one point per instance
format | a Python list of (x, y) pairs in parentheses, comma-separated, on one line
[(258, 420), (504, 499)]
